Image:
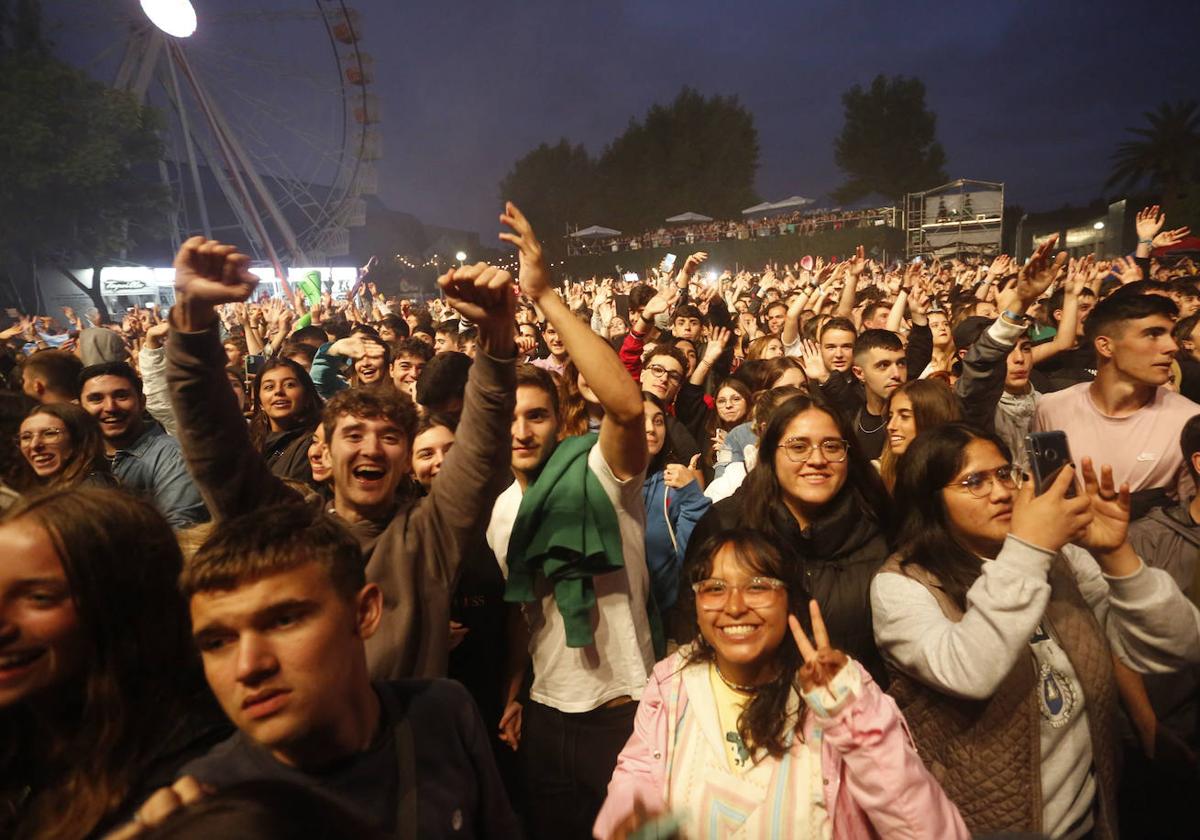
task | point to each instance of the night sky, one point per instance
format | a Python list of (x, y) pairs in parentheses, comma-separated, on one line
[(1033, 94)]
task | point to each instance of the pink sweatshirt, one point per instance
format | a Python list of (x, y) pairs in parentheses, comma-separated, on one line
[(876, 784)]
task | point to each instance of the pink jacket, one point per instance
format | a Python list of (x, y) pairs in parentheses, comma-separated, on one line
[(876, 784)]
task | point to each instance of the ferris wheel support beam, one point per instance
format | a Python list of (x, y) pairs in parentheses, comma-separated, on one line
[(201, 201), (237, 164)]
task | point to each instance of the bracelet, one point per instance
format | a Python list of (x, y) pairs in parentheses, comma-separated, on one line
[(1145, 241), (1015, 318)]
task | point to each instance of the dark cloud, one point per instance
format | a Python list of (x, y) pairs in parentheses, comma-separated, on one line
[(1033, 94)]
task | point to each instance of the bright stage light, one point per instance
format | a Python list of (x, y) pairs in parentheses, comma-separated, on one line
[(175, 17), (460, 256), (1098, 226)]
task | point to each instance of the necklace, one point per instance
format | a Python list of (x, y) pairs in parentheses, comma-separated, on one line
[(882, 423), (744, 689)]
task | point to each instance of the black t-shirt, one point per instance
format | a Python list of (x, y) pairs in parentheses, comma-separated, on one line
[(430, 736), (870, 433)]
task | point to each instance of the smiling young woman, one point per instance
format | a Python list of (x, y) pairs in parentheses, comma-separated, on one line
[(101, 696), (999, 615), (727, 729), (814, 495)]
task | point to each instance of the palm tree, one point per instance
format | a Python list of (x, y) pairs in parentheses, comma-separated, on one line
[(1167, 153)]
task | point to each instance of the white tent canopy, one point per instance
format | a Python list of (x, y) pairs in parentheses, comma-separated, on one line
[(690, 217), (794, 202), (757, 208), (595, 232)]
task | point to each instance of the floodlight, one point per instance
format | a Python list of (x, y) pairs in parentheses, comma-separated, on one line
[(175, 17), (460, 256), (1098, 226)]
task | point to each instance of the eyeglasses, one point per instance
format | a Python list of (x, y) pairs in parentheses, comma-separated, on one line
[(798, 450), (713, 593), (980, 484), (49, 436), (658, 372)]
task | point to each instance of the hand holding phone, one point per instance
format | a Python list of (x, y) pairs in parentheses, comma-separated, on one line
[(1048, 454)]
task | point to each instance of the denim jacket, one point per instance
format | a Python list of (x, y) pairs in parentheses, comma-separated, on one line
[(153, 467)]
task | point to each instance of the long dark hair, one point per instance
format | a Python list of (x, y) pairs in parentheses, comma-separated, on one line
[(933, 404), (923, 534), (763, 723), (105, 726), (87, 444), (306, 415), (714, 422), (762, 495)]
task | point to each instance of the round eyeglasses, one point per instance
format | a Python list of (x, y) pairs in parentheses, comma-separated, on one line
[(980, 484)]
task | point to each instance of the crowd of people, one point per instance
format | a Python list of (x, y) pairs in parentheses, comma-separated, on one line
[(781, 553), (795, 223)]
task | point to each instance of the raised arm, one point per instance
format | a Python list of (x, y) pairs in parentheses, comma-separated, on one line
[(231, 474), (856, 265), (623, 431)]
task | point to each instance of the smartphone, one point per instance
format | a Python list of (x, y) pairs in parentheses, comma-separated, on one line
[(254, 365), (1048, 454), (668, 262)]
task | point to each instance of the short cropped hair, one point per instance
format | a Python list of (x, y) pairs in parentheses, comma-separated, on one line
[(872, 310), (371, 404), (443, 379), (1117, 308), (532, 376), (57, 368), (844, 324), (667, 349), (870, 340), (414, 347), (687, 310), (275, 539), (121, 369)]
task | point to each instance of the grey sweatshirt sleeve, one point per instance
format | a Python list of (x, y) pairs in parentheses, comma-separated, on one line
[(983, 370), (1151, 625), (968, 658)]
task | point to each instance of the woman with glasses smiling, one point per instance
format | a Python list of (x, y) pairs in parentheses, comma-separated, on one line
[(815, 496), (64, 448), (755, 731), (998, 617)]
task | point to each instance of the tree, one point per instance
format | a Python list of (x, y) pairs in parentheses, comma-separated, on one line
[(78, 171), (1167, 155), (888, 143), (555, 187), (698, 153)]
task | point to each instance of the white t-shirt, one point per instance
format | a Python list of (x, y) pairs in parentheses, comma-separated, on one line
[(620, 659)]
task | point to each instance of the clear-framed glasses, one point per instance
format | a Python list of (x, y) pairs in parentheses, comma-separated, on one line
[(658, 372), (980, 484), (48, 436), (799, 450), (713, 593)]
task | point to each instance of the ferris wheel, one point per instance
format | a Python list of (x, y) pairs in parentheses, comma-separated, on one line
[(269, 106)]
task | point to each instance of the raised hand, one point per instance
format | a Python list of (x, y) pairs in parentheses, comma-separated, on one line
[(1051, 520), (822, 661), (1149, 222), (534, 275), (678, 476), (1110, 510), (813, 362), (717, 341), (1127, 270), (352, 346), (1036, 275), (660, 303), (690, 265), (1170, 237), (484, 295), (208, 274), (858, 262), (1000, 267)]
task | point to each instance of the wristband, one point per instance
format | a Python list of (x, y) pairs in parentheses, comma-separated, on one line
[(1015, 318), (1145, 241)]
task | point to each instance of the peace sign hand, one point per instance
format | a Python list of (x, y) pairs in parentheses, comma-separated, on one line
[(822, 662)]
